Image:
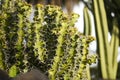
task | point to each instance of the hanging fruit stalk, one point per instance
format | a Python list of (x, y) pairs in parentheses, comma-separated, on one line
[(104, 48), (87, 22)]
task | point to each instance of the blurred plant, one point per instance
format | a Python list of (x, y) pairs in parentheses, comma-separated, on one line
[(87, 31), (108, 51), (106, 14), (87, 22)]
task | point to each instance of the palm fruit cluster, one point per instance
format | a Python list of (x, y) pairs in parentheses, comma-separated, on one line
[(48, 41)]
